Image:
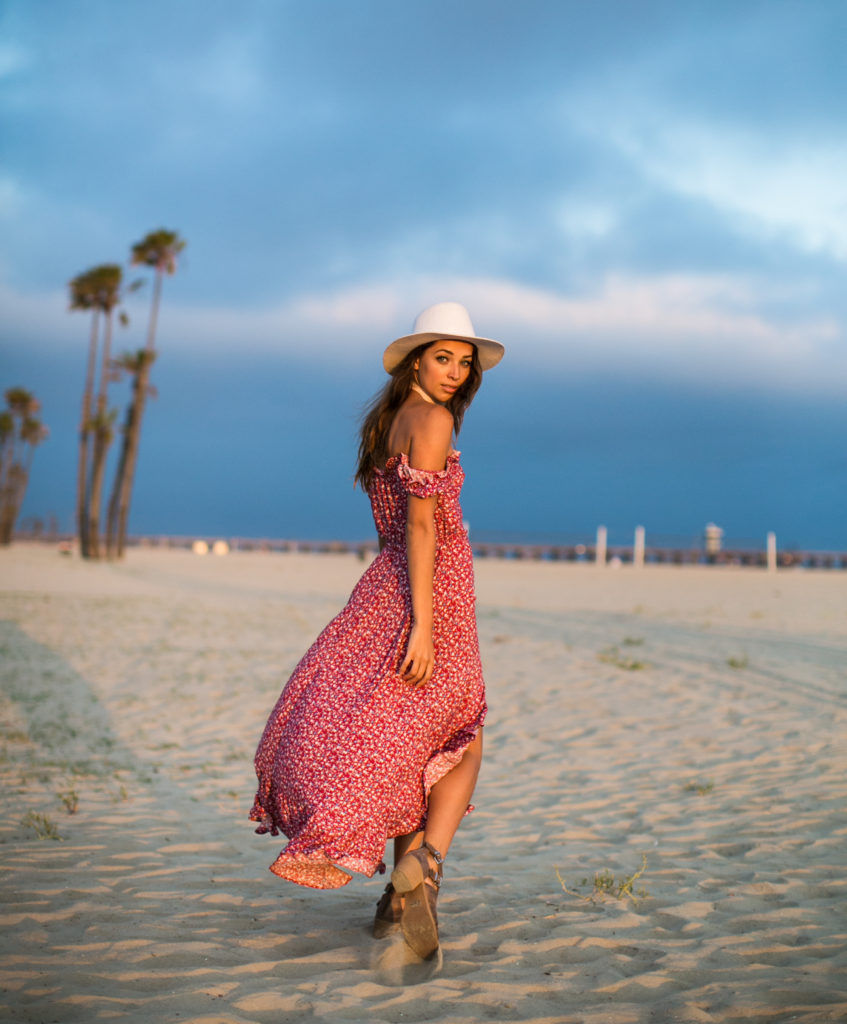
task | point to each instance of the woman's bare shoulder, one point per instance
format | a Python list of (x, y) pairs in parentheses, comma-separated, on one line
[(431, 436), (434, 420), (431, 416)]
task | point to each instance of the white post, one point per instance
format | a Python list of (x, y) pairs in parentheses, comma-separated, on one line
[(600, 554), (771, 552), (638, 547), (714, 536)]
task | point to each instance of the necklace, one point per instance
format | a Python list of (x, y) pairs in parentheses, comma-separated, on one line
[(423, 394)]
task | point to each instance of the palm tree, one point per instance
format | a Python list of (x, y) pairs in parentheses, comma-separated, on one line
[(159, 250), (7, 454), (83, 293), (105, 282), (18, 441)]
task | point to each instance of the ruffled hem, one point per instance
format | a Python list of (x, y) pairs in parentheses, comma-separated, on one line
[(423, 483), (317, 871)]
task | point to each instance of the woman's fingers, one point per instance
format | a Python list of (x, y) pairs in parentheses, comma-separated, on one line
[(419, 662), (417, 670), (407, 669), (424, 675), (416, 673)]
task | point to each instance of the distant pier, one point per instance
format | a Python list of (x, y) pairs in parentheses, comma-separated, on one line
[(548, 552), (597, 552)]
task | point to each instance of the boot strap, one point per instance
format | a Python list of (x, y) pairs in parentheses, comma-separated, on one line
[(436, 876)]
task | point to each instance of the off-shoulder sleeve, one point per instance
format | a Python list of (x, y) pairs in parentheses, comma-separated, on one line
[(423, 483)]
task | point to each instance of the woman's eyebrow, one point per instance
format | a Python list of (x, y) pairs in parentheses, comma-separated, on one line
[(450, 352)]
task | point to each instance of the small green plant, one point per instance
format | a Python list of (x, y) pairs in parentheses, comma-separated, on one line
[(739, 662), (16, 736), (41, 825), (612, 656), (70, 799), (632, 641), (605, 885), (700, 788)]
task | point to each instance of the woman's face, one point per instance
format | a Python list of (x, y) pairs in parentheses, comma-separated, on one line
[(444, 367)]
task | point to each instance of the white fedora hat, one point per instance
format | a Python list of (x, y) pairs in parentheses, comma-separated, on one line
[(443, 320)]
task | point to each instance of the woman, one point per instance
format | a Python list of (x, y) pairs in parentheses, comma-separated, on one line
[(378, 732)]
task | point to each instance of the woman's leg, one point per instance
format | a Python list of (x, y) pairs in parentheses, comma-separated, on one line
[(402, 844), (448, 802), (450, 796)]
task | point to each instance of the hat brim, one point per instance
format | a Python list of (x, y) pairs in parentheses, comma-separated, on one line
[(490, 352)]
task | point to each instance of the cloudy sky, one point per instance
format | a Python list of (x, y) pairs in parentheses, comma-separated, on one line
[(645, 201)]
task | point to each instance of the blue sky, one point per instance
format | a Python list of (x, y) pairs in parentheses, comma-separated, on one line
[(645, 201)]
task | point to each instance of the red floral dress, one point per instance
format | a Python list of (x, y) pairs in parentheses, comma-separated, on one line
[(351, 751)]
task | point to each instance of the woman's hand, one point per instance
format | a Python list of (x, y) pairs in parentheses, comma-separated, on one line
[(419, 662)]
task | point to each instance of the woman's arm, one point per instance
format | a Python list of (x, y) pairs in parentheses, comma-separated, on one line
[(430, 446)]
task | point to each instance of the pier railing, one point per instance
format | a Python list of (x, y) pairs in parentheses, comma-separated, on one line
[(591, 551)]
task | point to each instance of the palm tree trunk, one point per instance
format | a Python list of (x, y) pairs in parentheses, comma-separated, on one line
[(6, 461), (7, 521), (133, 442), (84, 433), (154, 310), (119, 500), (95, 491), (118, 483), (13, 499), (18, 500), (101, 447), (122, 495)]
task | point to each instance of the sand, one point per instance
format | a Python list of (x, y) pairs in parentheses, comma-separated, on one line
[(687, 724)]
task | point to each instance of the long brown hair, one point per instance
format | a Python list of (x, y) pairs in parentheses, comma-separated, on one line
[(379, 415)]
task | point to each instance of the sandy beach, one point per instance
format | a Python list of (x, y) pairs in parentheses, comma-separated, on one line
[(682, 725)]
